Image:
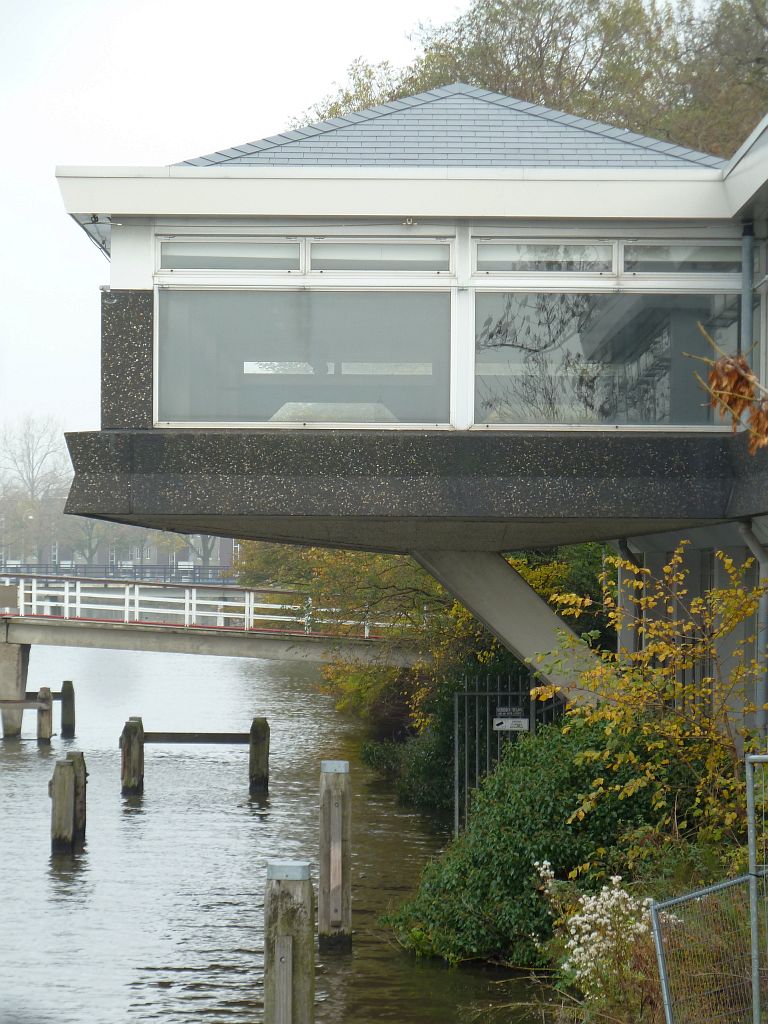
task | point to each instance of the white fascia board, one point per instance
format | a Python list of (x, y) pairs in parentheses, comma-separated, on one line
[(746, 176), (695, 193)]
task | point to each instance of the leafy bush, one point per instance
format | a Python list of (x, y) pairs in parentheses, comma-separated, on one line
[(482, 899), (417, 767)]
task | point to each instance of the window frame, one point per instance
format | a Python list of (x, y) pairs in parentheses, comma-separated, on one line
[(596, 427), (494, 275), (332, 286), (704, 243), (315, 274), (462, 281)]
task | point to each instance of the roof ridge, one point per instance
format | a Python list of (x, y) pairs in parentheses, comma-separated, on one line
[(315, 128)]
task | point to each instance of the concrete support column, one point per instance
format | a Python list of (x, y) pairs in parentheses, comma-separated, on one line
[(14, 665), (499, 597), (627, 638)]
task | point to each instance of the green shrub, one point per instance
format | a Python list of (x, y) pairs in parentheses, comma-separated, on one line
[(385, 757), (482, 898)]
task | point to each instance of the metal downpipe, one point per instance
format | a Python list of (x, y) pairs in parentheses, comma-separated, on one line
[(761, 686), (747, 285)]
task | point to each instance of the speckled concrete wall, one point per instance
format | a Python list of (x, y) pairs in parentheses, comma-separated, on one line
[(126, 359), (403, 490)]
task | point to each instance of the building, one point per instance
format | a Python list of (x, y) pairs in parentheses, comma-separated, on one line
[(452, 325)]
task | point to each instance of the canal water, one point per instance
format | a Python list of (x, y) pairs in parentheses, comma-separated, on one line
[(160, 918)]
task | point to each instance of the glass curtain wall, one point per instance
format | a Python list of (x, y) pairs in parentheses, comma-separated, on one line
[(596, 358), (348, 329), (304, 356)]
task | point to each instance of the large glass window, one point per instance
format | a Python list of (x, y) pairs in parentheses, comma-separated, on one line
[(304, 356), (601, 359)]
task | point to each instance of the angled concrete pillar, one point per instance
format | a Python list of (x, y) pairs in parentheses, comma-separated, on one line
[(499, 597), (14, 663)]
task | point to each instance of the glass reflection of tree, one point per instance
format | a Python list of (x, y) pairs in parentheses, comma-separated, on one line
[(556, 384)]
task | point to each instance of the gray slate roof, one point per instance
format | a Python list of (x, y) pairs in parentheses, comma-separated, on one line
[(459, 126)]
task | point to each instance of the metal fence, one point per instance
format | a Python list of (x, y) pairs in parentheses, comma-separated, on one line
[(704, 948), (488, 714), (712, 944)]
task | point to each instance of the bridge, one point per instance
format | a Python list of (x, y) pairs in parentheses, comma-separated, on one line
[(226, 620), (212, 619)]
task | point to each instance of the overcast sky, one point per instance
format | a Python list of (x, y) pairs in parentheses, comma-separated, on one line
[(144, 82)]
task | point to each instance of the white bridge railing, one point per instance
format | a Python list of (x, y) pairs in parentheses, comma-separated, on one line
[(157, 604)]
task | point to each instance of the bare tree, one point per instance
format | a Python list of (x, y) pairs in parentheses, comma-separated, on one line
[(33, 458), (34, 472)]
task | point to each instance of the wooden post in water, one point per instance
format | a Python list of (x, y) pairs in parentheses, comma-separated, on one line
[(335, 895), (44, 715), (61, 790), (258, 757), (67, 710), (289, 944), (132, 761), (81, 781)]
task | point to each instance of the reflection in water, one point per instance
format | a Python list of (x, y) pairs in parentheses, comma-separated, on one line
[(65, 873), (160, 917)]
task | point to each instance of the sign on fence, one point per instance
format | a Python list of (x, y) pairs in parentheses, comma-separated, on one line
[(511, 725)]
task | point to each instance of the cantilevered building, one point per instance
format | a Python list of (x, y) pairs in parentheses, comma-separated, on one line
[(452, 325)]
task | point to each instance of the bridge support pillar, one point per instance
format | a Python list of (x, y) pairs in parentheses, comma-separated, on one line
[(499, 597), (14, 665)]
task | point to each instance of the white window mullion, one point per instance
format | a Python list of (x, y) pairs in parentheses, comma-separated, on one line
[(462, 336)]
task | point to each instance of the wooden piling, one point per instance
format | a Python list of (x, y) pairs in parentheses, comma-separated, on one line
[(81, 781), (289, 944), (14, 665), (258, 757), (132, 760), (67, 710), (44, 715), (335, 893), (61, 790)]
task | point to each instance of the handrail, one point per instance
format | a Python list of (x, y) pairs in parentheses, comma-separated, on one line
[(140, 603), (121, 581)]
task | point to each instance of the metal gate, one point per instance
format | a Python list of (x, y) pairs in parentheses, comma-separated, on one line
[(488, 714)]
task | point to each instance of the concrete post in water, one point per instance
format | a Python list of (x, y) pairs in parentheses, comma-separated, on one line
[(335, 894), (289, 944), (44, 715), (14, 663), (67, 710), (258, 757), (132, 762), (61, 790), (81, 780)]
